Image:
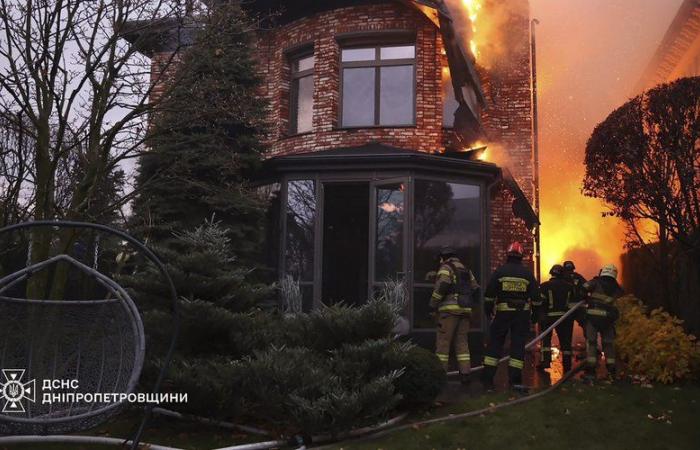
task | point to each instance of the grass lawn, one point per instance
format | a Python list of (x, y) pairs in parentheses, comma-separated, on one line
[(573, 417), (161, 430)]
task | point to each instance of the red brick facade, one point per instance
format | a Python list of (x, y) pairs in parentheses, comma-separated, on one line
[(507, 120), (321, 31)]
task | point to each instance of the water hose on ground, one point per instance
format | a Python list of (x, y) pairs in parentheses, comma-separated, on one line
[(453, 417), (369, 433), (322, 438), (210, 422), (358, 435), (77, 440)]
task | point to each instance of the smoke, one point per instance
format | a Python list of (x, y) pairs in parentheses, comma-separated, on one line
[(590, 56), (490, 31)]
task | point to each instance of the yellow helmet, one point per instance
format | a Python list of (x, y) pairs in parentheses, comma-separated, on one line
[(609, 270)]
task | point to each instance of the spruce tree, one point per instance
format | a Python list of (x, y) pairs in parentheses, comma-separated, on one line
[(206, 137), (195, 207)]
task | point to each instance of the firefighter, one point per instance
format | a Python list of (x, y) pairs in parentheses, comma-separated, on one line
[(510, 292), (556, 296), (601, 315), (577, 280), (453, 318)]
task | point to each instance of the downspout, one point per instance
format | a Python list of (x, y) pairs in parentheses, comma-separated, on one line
[(535, 145)]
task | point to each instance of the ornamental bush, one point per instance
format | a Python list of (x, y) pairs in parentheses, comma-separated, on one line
[(422, 380), (298, 390), (653, 345), (334, 369)]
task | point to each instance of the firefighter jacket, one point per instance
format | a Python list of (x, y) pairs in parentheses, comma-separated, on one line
[(603, 292), (577, 280), (444, 296), (556, 297), (512, 288)]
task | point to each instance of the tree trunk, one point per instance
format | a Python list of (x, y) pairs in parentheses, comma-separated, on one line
[(40, 238)]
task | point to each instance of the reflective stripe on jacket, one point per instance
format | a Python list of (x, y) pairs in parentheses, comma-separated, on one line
[(444, 298)]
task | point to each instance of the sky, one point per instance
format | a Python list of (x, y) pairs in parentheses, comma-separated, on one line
[(590, 55)]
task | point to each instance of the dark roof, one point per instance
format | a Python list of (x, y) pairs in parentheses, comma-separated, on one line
[(290, 10), (152, 36), (377, 156)]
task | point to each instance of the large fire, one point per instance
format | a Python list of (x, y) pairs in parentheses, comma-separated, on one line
[(572, 225), (473, 8)]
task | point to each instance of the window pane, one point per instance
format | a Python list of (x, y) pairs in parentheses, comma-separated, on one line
[(397, 96), (305, 104), (307, 297), (272, 230), (358, 97), (389, 244), (446, 214), (305, 64), (449, 102), (359, 54), (402, 52), (301, 215), (422, 309)]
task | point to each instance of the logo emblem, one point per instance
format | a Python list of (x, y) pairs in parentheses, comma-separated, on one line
[(13, 391)]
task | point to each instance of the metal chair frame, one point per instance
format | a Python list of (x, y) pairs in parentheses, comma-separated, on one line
[(101, 414)]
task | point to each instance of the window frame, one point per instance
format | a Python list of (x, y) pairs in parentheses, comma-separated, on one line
[(294, 78), (377, 64)]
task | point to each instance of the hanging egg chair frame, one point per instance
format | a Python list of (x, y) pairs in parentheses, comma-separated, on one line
[(92, 417)]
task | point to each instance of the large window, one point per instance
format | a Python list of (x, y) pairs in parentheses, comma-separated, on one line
[(302, 95), (378, 87), (446, 214), (299, 252)]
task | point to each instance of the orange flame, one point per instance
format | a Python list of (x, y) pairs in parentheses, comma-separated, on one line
[(473, 8)]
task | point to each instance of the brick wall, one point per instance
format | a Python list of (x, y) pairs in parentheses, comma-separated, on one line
[(320, 31), (508, 125), (507, 119)]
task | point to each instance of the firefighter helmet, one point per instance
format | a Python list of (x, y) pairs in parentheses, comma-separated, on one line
[(569, 266), (557, 270), (446, 252), (609, 270), (516, 249)]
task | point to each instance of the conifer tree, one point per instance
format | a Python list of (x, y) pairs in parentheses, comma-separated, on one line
[(206, 138)]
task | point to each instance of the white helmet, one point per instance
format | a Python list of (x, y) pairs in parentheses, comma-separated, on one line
[(609, 270)]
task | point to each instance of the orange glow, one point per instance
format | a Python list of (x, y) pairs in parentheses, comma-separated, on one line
[(485, 155), (473, 8), (573, 227)]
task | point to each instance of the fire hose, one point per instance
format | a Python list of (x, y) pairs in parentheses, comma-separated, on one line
[(358, 435), (533, 342), (388, 428), (487, 410)]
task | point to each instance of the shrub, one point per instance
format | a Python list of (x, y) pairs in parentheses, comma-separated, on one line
[(334, 326), (206, 381), (298, 390), (422, 380), (324, 372), (654, 345)]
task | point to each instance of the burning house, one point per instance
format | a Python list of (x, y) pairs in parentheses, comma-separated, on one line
[(391, 138), (678, 54)]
